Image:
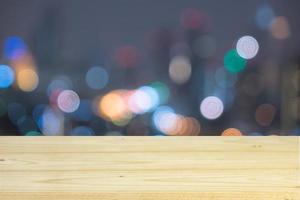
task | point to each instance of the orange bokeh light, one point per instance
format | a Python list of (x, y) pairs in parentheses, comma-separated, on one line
[(232, 132)]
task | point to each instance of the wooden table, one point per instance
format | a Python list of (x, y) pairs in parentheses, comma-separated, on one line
[(168, 168)]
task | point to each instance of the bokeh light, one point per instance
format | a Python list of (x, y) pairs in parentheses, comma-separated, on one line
[(211, 107), (264, 16), (180, 69), (52, 122), (205, 46), (127, 56), (84, 111), (68, 101), (15, 112), (145, 76), (33, 133), (82, 131), (7, 76), (37, 113), (164, 119), (113, 107), (59, 83), (143, 100), (14, 47), (265, 114), (280, 28), (232, 132), (162, 90), (233, 62), (225, 79), (26, 124), (27, 80), (96, 78), (193, 19), (247, 47), (168, 122)]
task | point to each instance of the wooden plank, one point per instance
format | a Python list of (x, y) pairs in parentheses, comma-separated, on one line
[(165, 168)]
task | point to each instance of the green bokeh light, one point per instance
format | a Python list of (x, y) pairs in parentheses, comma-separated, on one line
[(233, 62), (162, 90), (33, 133)]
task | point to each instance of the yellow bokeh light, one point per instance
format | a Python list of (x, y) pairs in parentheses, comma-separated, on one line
[(27, 80)]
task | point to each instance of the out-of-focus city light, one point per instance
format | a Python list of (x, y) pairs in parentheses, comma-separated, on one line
[(211, 107), (33, 133), (68, 101), (280, 28), (27, 79), (162, 90), (59, 83), (84, 111), (247, 47), (232, 132), (169, 123), (180, 48), (15, 112), (113, 107), (180, 69), (21, 60), (233, 62), (96, 78), (264, 16), (193, 19), (82, 131), (265, 114), (37, 113), (167, 62), (205, 46), (26, 124), (225, 79), (52, 122), (14, 47), (7, 76), (127, 56), (143, 99), (164, 119)]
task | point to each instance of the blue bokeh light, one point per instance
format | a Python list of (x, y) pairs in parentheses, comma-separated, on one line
[(7, 76), (14, 47), (97, 78), (264, 16), (82, 131)]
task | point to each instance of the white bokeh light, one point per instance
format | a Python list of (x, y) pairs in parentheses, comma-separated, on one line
[(51, 122), (211, 107), (165, 119), (247, 47), (68, 101), (143, 100)]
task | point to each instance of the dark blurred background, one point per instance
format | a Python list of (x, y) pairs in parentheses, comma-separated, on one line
[(136, 67)]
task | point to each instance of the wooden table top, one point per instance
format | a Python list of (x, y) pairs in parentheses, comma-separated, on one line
[(168, 168)]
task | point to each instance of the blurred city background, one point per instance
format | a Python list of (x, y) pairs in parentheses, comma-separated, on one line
[(137, 67)]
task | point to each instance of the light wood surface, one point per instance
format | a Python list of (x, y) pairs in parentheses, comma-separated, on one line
[(168, 168)]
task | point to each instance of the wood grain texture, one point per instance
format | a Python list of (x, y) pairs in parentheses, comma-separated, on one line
[(167, 168)]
